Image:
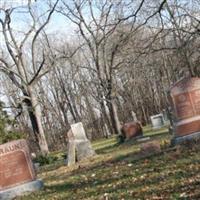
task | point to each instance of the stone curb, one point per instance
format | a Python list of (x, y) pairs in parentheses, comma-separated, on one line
[(20, 190)]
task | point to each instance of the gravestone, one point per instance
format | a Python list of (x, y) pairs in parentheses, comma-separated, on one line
[(79, 147), (17, 175), (165, 115), (134, 116), (157, 121), (185, 99), (131, 130)]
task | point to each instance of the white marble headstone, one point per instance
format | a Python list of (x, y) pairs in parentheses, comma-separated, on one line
[(134, 116), (78, 131), (79, 147)]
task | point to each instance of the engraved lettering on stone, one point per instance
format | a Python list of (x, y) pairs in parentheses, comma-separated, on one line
[(15, 164)]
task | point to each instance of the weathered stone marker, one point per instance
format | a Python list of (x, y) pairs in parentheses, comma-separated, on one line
[(134, 116), (17, 174), (185, 99), (78, 145), (157, 121)]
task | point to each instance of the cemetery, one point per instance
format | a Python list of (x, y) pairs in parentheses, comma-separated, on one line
[(156, 170), (99, 100)]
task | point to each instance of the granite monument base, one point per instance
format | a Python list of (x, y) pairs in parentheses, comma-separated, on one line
[(182, 139), (20, 190)]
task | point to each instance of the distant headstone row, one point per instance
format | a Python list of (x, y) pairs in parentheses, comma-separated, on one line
[(184, 97)]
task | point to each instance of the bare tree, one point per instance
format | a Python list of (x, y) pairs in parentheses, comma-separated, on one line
[(25, 69), (101, 28)]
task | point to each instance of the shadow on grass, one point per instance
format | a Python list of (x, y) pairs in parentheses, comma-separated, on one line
[(161, 174), (124, 180), (107, 149), (110, 149)]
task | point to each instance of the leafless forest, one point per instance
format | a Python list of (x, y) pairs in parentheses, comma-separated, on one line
[(123, 56)]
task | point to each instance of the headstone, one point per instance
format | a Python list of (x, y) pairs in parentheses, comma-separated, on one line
[(71, 152), (131, 130), (79, 147), (17, 173), (134, 116), (165, 115), (157, 121), (185, 100)]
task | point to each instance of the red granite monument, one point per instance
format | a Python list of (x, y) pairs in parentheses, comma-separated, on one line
[(185, 99), (15, 164), (131, 129), (16, 169)]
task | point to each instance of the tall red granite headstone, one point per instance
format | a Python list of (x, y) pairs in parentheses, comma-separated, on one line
[(16, 169), (185, 98)]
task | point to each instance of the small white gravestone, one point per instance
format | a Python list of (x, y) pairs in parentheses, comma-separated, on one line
[(78, 132), (78, 145), (134, 116), (157, 121)]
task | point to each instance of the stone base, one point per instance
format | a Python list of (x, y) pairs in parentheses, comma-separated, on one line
[(179, 140), (79, 150), (187, 126), (20, 190), (143, 139), (157, 127), (84, 150)]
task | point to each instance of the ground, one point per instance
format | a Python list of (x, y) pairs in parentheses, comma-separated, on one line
[(118, 172)]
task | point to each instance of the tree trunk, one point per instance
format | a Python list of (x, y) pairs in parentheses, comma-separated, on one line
[(106, 117), (36, 121), (73, 104), (144, 113), (114, 117)]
